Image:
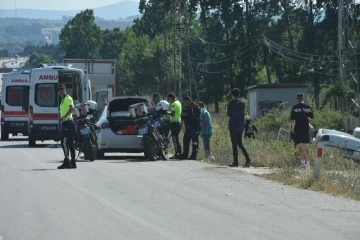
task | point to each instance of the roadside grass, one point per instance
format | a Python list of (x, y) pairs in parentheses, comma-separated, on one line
[(339, 176)]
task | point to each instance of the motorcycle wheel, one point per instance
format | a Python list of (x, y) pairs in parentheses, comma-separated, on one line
[(88, 148), (83, 149), (150, 148)]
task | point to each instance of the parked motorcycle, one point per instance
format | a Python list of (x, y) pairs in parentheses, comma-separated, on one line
[(155, 133), (85, 139)]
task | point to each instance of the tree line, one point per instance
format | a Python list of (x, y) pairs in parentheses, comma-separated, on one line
[(225, 44)]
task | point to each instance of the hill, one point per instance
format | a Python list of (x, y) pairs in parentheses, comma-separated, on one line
[(118, 10)]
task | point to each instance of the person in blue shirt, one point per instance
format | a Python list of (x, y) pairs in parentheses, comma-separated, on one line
[(206, 128), (236, 114)]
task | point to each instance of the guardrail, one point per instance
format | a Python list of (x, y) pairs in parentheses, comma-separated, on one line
[(5, 70)]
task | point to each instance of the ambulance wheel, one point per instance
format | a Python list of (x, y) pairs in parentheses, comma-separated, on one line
[(4, 135), (32, 142)]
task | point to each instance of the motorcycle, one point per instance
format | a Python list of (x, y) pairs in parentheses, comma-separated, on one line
[(155, 133), (85, 136)]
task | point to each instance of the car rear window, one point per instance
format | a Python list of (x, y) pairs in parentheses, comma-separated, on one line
[(15, 95), (46, 95)]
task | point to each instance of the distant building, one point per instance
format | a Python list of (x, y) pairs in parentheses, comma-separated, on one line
[(14, 50), (265, 97)]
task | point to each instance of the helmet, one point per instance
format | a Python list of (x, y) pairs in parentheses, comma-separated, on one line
[(163, 105), (247, 117), (91, 104)]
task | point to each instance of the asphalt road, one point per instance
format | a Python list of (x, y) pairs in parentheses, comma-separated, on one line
[(124, 197)]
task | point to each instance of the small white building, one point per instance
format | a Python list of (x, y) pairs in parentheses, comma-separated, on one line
[(101, 72), (264, 97)]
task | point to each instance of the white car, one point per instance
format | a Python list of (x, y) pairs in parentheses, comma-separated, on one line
[(115, 128), (349, 144)]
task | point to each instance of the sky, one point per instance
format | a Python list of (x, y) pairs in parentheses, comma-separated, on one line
[(57, 5)]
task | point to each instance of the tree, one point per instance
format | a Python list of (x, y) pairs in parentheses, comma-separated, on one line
[(36, 59), (81, 37), (112, 44)]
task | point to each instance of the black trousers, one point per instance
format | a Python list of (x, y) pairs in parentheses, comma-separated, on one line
[(236, 141), (175, 131), (191, 134), (67, 138)]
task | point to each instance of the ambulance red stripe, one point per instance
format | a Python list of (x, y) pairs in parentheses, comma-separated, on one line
[(45, 116), (15, 114)]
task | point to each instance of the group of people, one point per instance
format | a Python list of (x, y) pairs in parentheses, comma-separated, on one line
[(197, 123)]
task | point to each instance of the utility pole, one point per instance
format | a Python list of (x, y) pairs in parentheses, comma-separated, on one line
[(15, 10), (347, 47), (266, 51), (180, 47)]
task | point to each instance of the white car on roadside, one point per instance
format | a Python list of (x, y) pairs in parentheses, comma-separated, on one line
[(349, 144), (115, 128)]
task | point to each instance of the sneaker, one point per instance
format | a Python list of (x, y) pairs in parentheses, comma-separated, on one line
[(176, 156), (247, 163), (234, 165), (302, 166)]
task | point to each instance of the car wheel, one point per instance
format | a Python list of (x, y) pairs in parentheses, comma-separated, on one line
[(32, 141)]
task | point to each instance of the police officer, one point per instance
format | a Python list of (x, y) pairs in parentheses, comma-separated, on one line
[(67, 129), (175, 124), (191, 117)]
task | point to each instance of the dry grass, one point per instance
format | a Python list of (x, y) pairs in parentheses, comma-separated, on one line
[(340, 176)]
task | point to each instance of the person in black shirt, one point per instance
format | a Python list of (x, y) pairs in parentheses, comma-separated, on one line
[(301, 114), (191, 118), (236, 114), (250, 128)]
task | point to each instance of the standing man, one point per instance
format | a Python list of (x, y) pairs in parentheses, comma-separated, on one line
[(67, 127), (191, 117), (206, 128), (236, 114), (301, 114), (175, 123), (155, 100)]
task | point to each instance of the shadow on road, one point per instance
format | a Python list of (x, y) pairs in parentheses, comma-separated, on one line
[(140, 158), (23, 146), (15, 140), (39, 169), (131, 161)]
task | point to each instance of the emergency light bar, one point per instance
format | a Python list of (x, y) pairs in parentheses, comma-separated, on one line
[(49, 65), (23, 70)]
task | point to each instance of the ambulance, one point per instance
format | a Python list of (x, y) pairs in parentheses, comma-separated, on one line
[(15, 101), (44, 100)]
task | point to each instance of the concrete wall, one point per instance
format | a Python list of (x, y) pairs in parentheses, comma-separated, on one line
[(252, 104), (266, 99)]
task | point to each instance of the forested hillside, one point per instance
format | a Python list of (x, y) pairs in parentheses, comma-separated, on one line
[(231, 44)]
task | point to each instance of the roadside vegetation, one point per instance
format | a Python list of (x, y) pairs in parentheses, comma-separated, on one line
[(340, 176)]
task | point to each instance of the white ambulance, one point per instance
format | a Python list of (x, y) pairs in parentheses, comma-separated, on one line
[(44, 99), (15, 102)]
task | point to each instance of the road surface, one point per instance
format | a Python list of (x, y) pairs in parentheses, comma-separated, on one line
[(124, 197)]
